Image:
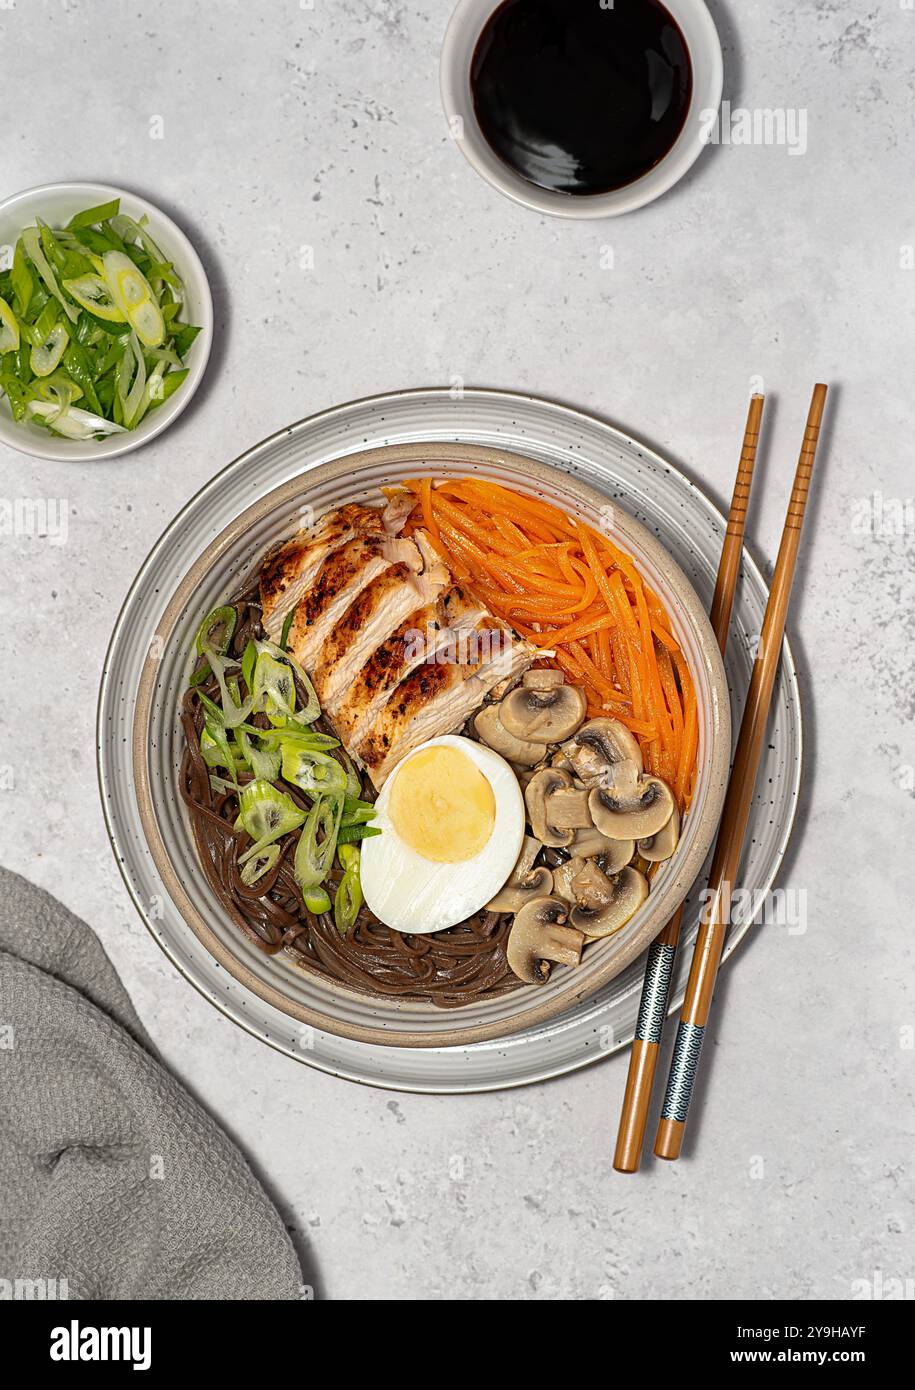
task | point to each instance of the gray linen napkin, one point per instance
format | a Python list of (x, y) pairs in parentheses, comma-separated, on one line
[(111, 1177)]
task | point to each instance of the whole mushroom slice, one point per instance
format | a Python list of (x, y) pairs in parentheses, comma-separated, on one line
[(606, 904), (539, 939), (662, 844), (524, 883), (490, 730), (543, 716), (597, 747), (634, 807), (539, 795)]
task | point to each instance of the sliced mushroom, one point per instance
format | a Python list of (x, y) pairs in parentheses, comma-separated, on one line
[(591, 887), (616, 857), (539, 937), (608, 909), (539, 795), (524, 883), (662, 844), (589, 843), (631, 806), (598, 746), (543, 678), (563, 876), (544, 716), (569, 808), (490, 730), (526, 776)]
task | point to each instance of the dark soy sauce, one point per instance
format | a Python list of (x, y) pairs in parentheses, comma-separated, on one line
[(579, 96)]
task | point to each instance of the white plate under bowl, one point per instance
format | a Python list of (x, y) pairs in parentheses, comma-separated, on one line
[(652, 490), (56, 203)]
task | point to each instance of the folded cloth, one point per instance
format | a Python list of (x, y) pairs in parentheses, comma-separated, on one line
[(112, 1178)]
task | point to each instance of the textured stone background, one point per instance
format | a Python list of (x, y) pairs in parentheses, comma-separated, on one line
[(287, 127)]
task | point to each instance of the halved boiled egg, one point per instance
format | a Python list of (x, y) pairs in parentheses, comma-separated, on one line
[(452, 821)]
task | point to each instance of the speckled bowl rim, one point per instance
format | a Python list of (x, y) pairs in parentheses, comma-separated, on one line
[(659, 906)]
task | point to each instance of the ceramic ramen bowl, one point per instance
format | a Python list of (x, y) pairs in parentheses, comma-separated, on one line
[(221, 570)]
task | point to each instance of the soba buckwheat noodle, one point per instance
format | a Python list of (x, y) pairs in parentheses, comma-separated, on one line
[(461, 965)]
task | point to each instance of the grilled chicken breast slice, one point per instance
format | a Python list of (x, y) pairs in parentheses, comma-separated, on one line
[(291, 568), (422, 635), (338, 583), (383, 605), (437, 698)]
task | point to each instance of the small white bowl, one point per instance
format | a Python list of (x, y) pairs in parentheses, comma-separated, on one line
[(464, 29), (55, 203)]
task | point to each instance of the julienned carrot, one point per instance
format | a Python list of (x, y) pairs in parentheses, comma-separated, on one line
[(571, 592)]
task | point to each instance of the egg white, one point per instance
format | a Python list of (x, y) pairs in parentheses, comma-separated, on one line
[(416, 895)]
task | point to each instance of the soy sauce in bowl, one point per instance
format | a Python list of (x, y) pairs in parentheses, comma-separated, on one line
[(581, 96)]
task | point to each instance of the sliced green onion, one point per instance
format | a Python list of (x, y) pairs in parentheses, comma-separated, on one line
[(32, 243), (312, 707), (353, 780), (36, 332), (314, 853), (17, 394), (91, 292), (73, 423), (220, 785), (255, 868), (100, 213), (357, 812), (134, 396), (299, 736), (274, 688), (287, 624), (316, 900), (44, 359), (233, 713), (266, 814), (77, 364), (169, 385), (215, 750), (347, 901), (185, 333), (221, 621), (9, 328), (263, 764), (128, 229), (248, 662), (216, 631), (349, 857), (214, 741), (58, 388), (23, 281), (132, 293), (351, 834), (317, 774)]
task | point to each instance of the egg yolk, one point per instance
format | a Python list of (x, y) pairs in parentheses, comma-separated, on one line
[(442, 806)]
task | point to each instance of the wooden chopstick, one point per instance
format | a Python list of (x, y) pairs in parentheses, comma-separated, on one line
[(649, 1028), (713, 926)]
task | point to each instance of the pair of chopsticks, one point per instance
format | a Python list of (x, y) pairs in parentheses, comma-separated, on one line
[(726, 862)]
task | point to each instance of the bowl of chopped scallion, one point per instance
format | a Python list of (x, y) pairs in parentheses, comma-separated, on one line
[(106, 321)]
